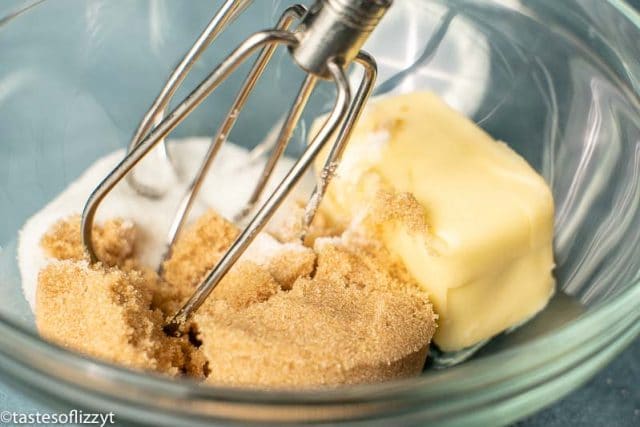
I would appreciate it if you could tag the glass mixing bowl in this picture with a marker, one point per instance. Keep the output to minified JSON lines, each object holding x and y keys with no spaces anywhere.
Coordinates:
{"x":558,"y":80}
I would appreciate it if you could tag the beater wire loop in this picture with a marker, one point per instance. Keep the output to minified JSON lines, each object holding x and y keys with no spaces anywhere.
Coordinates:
{"x":343,"y":135}
{"x":227,"y":13}
{"x":327,"y":39}
{"x":171,"y":121}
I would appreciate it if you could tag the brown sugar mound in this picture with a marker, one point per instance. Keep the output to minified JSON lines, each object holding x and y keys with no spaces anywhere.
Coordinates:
{"x":108,"y":313}
{"x":288,"y":266}
{"x":342,"y":312}
{"x":197,"y":251}
{"x":246,"y":284}
{"x":347,"y":324}
{"x":113,"y":241}
{"x":203,"y":243}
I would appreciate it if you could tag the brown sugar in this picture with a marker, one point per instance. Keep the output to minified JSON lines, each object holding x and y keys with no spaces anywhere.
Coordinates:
{"x":196,"y":252}
{"x":342,"y":312}
{"x":402,"y":207}
{"x":246,"y":284}
{"x":288,"y":266}
{"x":106,"y":312}
{"x":347,"y":324}
{"x":113,"y":241}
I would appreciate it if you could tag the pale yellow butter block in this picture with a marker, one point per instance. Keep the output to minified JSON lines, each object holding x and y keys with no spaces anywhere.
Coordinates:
{"x":485,"y":256}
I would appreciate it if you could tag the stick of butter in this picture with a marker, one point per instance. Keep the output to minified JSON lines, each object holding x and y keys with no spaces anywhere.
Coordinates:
{"x":484,"y":253}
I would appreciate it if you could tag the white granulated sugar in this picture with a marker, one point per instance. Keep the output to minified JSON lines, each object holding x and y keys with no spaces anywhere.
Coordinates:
{"x":265,"y":247}
{"x":226,"y":189}
{"x":360,"y":157}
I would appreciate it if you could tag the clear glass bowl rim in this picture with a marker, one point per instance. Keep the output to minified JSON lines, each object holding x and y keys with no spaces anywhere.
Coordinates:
{"x":437,"y":386}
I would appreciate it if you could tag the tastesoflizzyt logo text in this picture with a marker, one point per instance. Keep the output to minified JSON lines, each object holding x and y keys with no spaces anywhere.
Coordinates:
{"x":74,"y":416}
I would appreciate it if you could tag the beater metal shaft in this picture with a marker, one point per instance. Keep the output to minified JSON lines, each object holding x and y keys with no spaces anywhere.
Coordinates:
{"x":227,"y":13}
{"x":292,"y":13}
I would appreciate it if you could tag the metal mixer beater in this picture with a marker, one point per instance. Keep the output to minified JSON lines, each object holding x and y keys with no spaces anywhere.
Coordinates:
{"x":326,"y":40}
